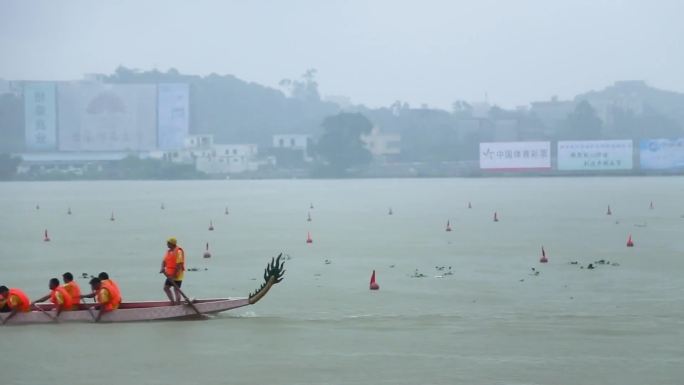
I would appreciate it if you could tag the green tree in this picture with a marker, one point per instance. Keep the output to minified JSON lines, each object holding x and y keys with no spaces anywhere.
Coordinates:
{"x":582,"y":124}
{"x":8,"y":166}
{"x":340,"y":147}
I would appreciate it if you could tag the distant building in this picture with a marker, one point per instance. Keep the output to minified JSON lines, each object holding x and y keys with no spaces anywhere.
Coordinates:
{"x":382,"y":145}
{"x":66,"y":163}
{"x":292,"y":141}
{"x":229,"y":159}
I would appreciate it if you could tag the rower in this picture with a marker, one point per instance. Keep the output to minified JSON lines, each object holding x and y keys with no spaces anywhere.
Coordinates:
{"x":59,"y":296}
{"x":173,"y":266}
{"x":72,"y":288}
{"x":106,"y":297}
{"x":104,"y":277}
{"x":15,"y":301}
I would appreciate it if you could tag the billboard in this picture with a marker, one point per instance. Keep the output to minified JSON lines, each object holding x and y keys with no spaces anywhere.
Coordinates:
{"x":172,"y":115}
{"x":661,"y":154}
{"x":107,"y":117}
{"x":515,"y":155}
{"x":595,"y":155}
{"x":40,"y":115}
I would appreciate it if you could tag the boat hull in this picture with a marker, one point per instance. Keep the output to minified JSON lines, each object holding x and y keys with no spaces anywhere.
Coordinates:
{"x":130,"y":312}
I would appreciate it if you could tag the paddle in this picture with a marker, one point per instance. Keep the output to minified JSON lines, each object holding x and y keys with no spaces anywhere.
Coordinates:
{"x":173,"y":283}
{"x":45,"y":312}
{"x":89,"y":310}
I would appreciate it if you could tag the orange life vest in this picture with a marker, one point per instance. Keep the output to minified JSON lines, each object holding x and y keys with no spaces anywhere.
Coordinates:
{"x":68,"y":301}
{"x":75,"y":293}
{"x":24,"y":302}
{"x":115,"y":287}
{"x":170,"y":262}
{"x":113,"y":300}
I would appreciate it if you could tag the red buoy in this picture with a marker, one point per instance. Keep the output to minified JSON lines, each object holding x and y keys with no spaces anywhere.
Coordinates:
{"x":448,"y":226}
{"x":543,"y":258}
{"x":211,"y":226}
{"x":46,"y":238}
{"x":496,"y":217}
{"x":629,"y":241}
{"x":308,"y":238}
{"x":609,"y":212}
{"x":374,"y":285}
{"x":207,"y":254}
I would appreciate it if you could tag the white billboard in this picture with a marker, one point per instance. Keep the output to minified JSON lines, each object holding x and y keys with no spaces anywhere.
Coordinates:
{"x":107,"y":117}
{"x":661,"y":154}
{"x":595,"y":155}
{"x":173,"y":115}
{"x":515,"y":156}
{"x":40,"y":124}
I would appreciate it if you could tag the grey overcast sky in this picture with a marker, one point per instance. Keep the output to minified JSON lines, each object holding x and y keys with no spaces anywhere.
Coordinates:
{"x":374,"y":51}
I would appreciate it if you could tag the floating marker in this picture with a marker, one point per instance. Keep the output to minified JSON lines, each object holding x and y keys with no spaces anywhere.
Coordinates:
{"x":543,"y":258}
{"x":448,"y":226}
{"x":46,"y":238}
{"x":609,"y":212}
{"x":111,"y":218}
{"x":211,"y":226}
{"x":651,"y":205}
{"x":69,"y":211}
{"x":496,"y":217}
{"x":37,"y":207}
{"x":226,"y":211}
{"x":629,"y":241}
{"x":311,"y":206}
{"x":390,"y":211}
{"x":374,"y":285}
{"x":308,"y":238}
{"x":162,"y":206}
{"x":207,"y":254}
{"x":470,"y":206}
{"x":308,"y":217}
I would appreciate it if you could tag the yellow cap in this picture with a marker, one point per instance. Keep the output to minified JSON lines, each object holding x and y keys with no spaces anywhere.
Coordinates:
{"x":172,"y":241}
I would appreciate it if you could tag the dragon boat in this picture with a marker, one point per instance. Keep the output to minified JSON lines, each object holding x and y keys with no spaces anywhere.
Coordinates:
{"x":153,"y":310}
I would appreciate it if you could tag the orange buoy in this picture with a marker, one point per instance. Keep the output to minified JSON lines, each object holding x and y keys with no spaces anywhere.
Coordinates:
{"x":543,"y":258}
{"x":630,"y":243}
{"x":609,"y":212}
{"x":111,"y":218}
{"x":207,"y":254}
{"x":211,"y":226}
{"x":46,"y":238}
{"x":308,"y":217}
{"x":374,"y":285}
{"x":308,"y":238}
{"x":496,"y":217}
{"x":448,"y":226}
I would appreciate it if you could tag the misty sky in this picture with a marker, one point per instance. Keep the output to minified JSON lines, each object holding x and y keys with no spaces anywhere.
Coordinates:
{"x":375,"y":52}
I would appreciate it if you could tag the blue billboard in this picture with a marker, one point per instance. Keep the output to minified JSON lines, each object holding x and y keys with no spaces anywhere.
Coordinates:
{"x":661,"y":154}
{"x":173,"y":120}
{"x":40,"y":114}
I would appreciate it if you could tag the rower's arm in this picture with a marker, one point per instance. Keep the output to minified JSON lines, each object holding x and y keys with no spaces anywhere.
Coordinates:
{"x":11,"y":314}
{"x":91,"y":295}
{"x":41,"y":299}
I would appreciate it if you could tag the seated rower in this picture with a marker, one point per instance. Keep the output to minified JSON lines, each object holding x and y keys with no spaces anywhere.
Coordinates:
{"x":72,"y":288}
{"x":104,"y":277}
{"x":106,"y":296}
{"x":59,"y":296}
{"x":15,"y":301}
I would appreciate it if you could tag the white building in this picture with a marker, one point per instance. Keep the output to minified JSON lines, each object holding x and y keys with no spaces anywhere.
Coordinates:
{"x":382,"y":144}
{"x":292,"y":141}
{"x":229,"y":159}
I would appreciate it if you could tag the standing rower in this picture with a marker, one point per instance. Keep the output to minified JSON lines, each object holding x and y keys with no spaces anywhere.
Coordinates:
{"x":173,"y":267}
{"x":15,"y":301}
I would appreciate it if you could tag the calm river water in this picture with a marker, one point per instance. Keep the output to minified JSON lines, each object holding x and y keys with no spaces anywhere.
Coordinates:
{"x":493,"y":321}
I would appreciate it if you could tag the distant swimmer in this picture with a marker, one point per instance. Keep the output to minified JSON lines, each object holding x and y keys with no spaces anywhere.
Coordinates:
{"x":13,"y":301}
{"x":173,"y":266}
{"x":59,"y":297}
